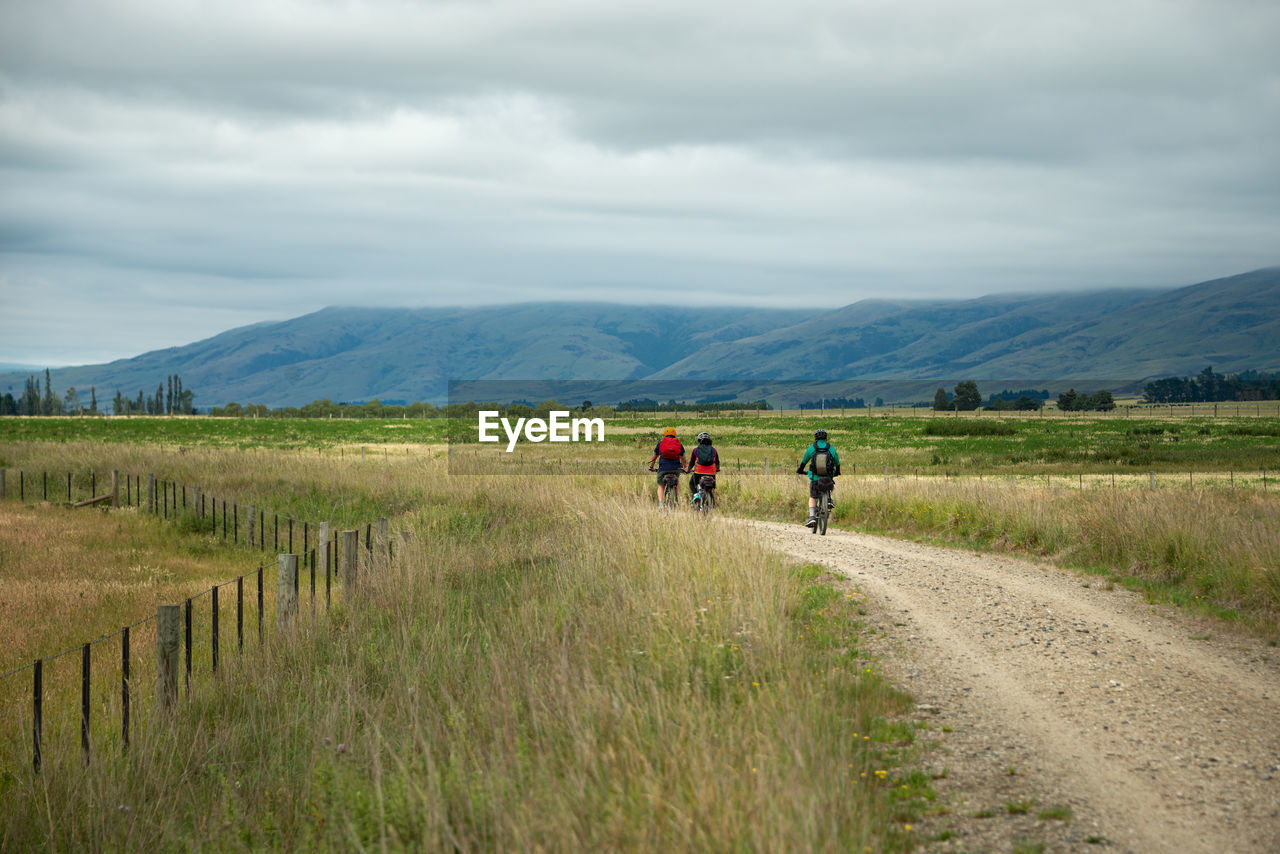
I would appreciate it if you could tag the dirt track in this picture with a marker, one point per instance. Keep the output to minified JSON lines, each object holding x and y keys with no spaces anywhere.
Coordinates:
{"x":1159,"y":732}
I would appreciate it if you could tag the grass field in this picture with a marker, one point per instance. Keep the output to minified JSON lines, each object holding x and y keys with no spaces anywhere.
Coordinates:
{"x":88,"y":572}
{"x":946,"y":445}
{"x":298,"y":433}
{"x":524,"y":678}
{"x":555,"y":664}
{"x":918,"y":442}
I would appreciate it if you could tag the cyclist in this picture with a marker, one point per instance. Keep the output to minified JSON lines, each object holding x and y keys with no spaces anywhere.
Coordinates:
{"x":823,"y":461}
{"x":669,"y":455}
{"x":705,"y":459}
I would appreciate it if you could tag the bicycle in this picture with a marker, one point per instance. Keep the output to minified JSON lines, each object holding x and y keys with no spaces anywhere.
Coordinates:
{"x":825,"y":486}
{"x":705,"y":498}
{"x":671,"y":488}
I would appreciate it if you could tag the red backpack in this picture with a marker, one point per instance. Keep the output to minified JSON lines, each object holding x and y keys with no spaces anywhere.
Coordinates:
{"x":670,"y":448}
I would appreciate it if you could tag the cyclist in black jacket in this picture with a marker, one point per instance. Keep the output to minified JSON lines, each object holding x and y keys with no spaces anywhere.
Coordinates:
{"x":705,"y":459}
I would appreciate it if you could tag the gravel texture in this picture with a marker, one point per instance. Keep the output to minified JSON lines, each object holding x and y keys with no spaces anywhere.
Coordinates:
{"x":1158,"y":730}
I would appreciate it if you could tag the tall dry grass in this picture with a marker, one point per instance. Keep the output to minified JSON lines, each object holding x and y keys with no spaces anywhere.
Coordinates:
{"x":1208,"y":543}
{"x":68,"y":576}
{"x":553,"y":665}
{"x":305,"y":485}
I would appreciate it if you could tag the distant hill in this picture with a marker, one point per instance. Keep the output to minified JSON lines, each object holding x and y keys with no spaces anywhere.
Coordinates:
{"x":1232,"y":324}
{"x":357,"y":354}
{"x":349,"y":354}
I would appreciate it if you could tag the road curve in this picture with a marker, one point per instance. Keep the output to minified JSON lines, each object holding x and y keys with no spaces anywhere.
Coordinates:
{"x":1159,"y":731}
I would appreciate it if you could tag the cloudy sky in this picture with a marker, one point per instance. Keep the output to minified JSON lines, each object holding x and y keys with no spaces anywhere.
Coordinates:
{"x":173,"y":168}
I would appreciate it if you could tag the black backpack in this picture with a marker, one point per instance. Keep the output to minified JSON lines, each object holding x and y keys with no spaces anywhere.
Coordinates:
{"x":705,"y":454}
{"x":822,"y":463}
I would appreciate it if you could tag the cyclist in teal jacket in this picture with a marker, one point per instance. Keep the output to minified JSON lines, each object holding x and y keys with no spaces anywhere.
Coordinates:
{"x":822,"y":461}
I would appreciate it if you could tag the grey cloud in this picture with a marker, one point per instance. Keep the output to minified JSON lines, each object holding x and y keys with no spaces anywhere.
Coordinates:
{"x":240,"y":160}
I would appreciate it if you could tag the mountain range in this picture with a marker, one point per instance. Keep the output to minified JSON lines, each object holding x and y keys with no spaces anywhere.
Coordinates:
{"x":356,"y":354}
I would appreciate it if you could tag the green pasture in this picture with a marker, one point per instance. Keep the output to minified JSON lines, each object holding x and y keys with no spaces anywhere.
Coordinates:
{"x":226,"y":432}
{"x":934,"y":445}
{"x":867,"y":443}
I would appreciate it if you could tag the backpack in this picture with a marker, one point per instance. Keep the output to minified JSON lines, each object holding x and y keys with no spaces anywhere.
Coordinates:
{"x":705,"y":454}
{"x":822,"y":463}
{"x":670,"y":448}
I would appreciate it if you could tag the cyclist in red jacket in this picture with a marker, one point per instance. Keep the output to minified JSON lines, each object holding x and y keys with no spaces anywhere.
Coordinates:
{"x":669,"y":455}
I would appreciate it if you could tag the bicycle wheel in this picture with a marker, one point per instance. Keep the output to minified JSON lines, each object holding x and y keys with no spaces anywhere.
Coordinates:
{"x":824,"y":513}
{"x":672,"y":485}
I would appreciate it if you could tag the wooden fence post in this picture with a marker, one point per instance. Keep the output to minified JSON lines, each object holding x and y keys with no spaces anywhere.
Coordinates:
{"x":37,"y":714}
{"x":286,"y":589}
{"x":189,"y":646}
{"x":168,"y":627}
{"x":151,"y":493}
{"x":86,"y":700}
{"x":115,"y":488}
{"x":213,"y":626}
{"x":124,"y":687}
{"x":350,"y":554}
{"x":260,"y":629}
{"x":383,"y":540}
{"x":323,"y":543}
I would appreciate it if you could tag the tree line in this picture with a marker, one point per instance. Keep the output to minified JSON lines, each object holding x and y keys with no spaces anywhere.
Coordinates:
{"x":838,"y":403}
{"x":327,"y":409}
{"x":42,"y":400}
{"x":967,"y":398}
{"x":170,"y":398}
{"x":377,"y":409}
{"x":1211,"y":387}
{"x":646,"y":404}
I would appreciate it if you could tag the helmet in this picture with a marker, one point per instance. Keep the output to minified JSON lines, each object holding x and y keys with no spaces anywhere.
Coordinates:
{"x":704,"y":438}
{"x":819,"y":435}
{"x":670,"y":431}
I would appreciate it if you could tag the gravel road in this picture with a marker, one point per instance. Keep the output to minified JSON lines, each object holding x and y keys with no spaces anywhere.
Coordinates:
{"x":1159,"y":730}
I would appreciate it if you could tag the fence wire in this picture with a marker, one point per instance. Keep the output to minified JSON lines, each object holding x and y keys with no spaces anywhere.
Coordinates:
{"x":118,"y":706}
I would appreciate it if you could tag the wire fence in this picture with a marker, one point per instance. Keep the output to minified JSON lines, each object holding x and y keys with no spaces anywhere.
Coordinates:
{"x":1263,"y":480}
{"x":99,"y":693}
{"x":1223,"y":409}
